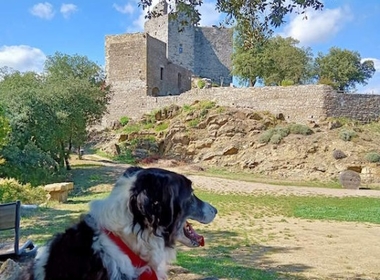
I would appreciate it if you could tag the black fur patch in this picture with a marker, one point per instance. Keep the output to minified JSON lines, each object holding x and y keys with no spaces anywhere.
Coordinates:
{"x":71,"y":256}
{"x":158,"y":199}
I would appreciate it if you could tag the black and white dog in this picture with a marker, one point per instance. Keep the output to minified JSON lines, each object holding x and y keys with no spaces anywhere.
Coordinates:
{"x":129,"y":235}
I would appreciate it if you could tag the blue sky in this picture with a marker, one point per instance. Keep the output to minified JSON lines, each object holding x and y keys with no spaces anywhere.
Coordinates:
{"x":31,"y":30}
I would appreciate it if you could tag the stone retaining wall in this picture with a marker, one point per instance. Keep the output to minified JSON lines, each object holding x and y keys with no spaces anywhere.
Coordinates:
{"x":297,"y":103}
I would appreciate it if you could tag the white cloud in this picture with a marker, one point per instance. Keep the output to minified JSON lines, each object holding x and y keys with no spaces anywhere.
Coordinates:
{"x":43,"y":10}
{"x":376,"y":61}
{"x":318,"y":26}
{"x":126,"y":9}
{"x":68,"y":9}
{"x":22,"y":58}
{"x":209,"y":16}
{"x":138,"y":23}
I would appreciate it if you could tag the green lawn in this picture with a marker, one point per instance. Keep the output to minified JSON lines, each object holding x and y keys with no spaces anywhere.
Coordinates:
{"x":233,"y":238}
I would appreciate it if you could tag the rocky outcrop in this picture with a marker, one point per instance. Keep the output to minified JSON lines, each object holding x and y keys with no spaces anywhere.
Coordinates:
{"x":231,"y":138}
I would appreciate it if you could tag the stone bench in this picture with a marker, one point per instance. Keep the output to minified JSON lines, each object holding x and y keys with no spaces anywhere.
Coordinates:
{"x":59,"y":191}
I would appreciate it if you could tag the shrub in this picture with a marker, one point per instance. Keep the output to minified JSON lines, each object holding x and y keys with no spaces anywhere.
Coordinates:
{"x":125,"y":156}
{"x":266,"y":136}
{"x":372,"y":157}
{"x":282,"y":131}
{"x":276,"y":138}
{"x":12,"y":190}
{"x":285,"y":83}
{"x":201,"y":84}
{"x":327,"y":81}
{"x":277,"y":134}
{"x":124,"y":120}
{"x":300,"y":129}
{"x":347,"y":135}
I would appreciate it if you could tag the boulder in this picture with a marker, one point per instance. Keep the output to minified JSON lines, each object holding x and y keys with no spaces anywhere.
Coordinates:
{"x":339,"y":154}
{"x":9,"y":270}
{"x":350,"y":179}
{"x":59,"y":191}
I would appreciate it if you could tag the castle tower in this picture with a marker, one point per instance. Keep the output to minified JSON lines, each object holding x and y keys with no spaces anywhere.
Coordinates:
{"x":160,"y":9}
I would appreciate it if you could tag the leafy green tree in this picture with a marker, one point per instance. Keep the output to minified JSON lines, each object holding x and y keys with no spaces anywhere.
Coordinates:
{"x":49,"y":114}
{"x":77,"y":87}
{"x":285,"y":61}
{"x":273,"y":61}
{"x":247,"y":61}
{"x":343,"y":68}
{"x":4,"y":127}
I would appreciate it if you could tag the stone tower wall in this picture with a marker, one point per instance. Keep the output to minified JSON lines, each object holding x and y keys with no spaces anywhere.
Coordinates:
{"x":181,"y":44}
{"x":213,"y":50}
{"x":126,"y":68}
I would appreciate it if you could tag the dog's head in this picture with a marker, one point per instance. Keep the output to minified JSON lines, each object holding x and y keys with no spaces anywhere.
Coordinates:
{"x":162,"y":201}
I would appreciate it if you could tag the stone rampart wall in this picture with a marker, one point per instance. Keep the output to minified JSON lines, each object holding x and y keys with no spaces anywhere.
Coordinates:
{"x":299,"y":104}
{"x":363,"y":107}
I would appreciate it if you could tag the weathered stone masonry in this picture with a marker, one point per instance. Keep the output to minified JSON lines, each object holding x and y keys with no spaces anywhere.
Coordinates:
{"x":297,"y":103}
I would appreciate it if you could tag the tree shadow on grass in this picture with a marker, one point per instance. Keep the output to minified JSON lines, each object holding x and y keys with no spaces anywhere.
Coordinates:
{"x":229,"y":257}
{"x":87,"y":177}
{"x":43,"y":223}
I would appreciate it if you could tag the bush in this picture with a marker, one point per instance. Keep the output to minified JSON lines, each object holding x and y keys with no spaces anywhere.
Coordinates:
{"x":12,"y":190}
{"x":124,"y":120}
{"x":327,"y":81}
{"x":201,"y":84}
{"x":372,"y":157}
{"x":266,"y":136}
{"x":347,"y":135}
{"x":286,"y":83}
{"x":300,"y":129}
{"x":277,"y":134}
{"x":276,"y":138}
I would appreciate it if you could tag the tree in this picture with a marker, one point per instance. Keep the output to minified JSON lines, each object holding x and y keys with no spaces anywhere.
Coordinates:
{"x":343,"y":68}
{"x":273,"y":61}
{"x":77,"y":87}
{"x":261,"y":16}
{"x":49,"y":115}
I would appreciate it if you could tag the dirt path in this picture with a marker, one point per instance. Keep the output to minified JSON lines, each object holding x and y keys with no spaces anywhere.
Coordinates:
{"x":307,"y":249}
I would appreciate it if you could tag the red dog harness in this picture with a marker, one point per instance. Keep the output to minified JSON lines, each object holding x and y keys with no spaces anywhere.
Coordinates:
{"x":135,"y":259}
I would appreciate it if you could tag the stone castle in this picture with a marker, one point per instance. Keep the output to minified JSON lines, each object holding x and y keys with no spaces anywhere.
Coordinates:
{"x":153,"y":69}
{"x":162,"y":60}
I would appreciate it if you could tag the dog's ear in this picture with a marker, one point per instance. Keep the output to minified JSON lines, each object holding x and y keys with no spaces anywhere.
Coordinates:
{"x":153,"y":201}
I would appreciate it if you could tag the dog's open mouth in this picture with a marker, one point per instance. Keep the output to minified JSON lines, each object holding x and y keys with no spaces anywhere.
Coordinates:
{"x":195,"y":239}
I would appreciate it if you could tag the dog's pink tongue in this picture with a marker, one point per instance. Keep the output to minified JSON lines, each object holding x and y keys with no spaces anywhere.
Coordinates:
{"x":194,"y":235}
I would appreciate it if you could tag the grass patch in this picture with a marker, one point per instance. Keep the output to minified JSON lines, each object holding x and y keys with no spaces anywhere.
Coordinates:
{"x":131,"y":128}
{"x":250,"y":177}
{"x":161,"y":127}
{"x":235,"y":247}
{"x":350,"y":209}
{"x":221,"y":265}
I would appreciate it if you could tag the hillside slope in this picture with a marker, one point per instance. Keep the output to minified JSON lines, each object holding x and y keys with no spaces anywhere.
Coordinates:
{"x":243,"y":140}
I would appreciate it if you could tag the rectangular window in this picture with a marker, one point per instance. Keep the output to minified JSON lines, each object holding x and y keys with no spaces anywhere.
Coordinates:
{"x":162,"y":73}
